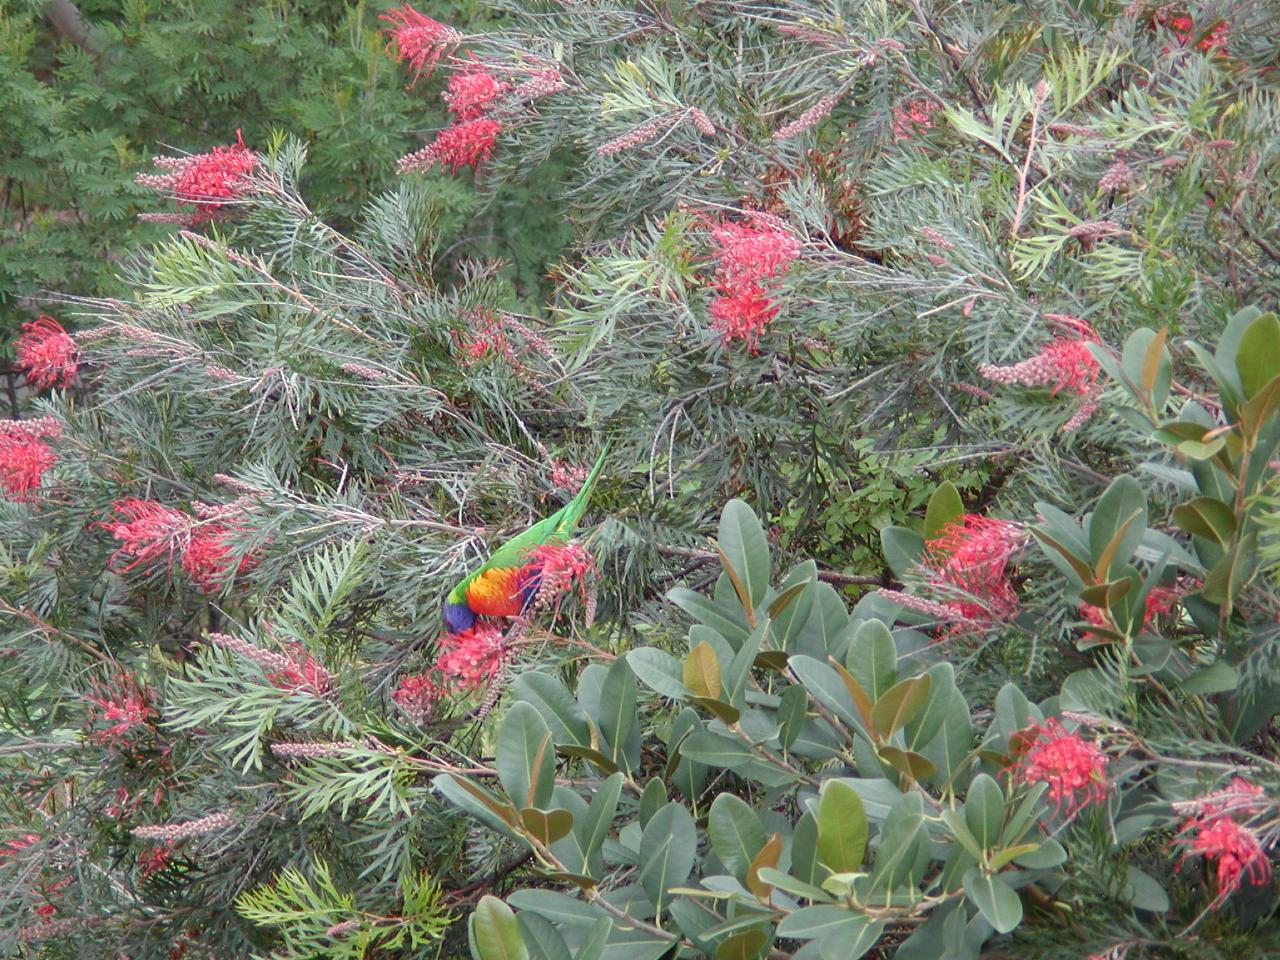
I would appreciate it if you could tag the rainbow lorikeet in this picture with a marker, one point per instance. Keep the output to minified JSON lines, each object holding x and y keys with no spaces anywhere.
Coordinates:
{"x":508,"y":581}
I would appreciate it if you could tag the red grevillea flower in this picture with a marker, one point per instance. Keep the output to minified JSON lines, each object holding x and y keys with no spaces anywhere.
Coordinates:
{"x":1236,"y":849}
{"x":467,"y":143}
{"x":205,"y":181}
{"x":742,"y":312}
{"x":209,"y":557}
{"x":1160,"y":600}
{"x":416,"y":695}
{"x":749,"y":252}
{"x":912,"y":118}
{"x":124,"y":705}
{"x":472,"y":90}
{"x":1074,"y":768}
{"x":148,"y":530}
{"x":304,"y":672}
{"x":154,"y":859}
{"x":1062,"y":364}
{"x":419,"y":40}
{"x":23,"y":462}
{"x":46,"y":353}
{"x":968,"y":563}
{"x":470,"y":658}
{"x":561,"y":567}
{"x":1184,"y":28}
{"x":1239,"y":796}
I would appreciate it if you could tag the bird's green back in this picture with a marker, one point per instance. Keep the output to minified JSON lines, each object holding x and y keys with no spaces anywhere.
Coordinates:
{"x":559,"y":526}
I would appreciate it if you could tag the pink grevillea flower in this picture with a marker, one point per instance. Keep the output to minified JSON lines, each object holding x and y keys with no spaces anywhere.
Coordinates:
{"x":1238,"y":797}
{"x":492,"y":334}
{"x":1074,"y":768}
{"x":561,"y":568}
{"x":969,"y":565}
{"x":1062,"y":364}
{"x":913,"y":118}
{"x":749,"y":252}
{"x":417,"y":695}
{"x":473,"y":90}
{"x":209,"y":557}
{"x":46,"y":353}
{"x":124,"y":705}
{"x":303,"y":672}
{"x":470,"y":658}
{"x":205,"y":181}
{"x":419,"y":40}
{"x":1236,"y":849}
{"x":148,"y":530}
{"x":467,"y":143}
{"x":568,"y":476}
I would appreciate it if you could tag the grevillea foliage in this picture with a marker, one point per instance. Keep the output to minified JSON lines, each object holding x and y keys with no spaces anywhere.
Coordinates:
{"x":925,"y":607}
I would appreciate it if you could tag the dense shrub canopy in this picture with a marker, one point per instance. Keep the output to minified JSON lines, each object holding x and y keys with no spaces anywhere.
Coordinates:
{"x":924,"y":607}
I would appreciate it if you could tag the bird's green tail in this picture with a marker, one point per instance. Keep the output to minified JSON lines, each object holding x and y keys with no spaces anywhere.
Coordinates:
{"x":576,"y":507}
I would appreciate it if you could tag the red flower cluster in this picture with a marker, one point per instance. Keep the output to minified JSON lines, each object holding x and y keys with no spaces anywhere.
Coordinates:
{"x":747,"y":255}
{"x":24,"y":454}
{"x":46,"y":353}
{"x":419,"y":40}
{"x":1214,"y":40}
{"x":209,"y":558}
{"x":489,"y":334}
{"x":124,"y":705}
{"x":149,"y":530}
{"x":472,"y":657}
{"x":205,"y":181}
{"x":912,"y":118}
{"x":417,"y":695}
{"x":467,"y":143}
{"x":561,"y":567}
{"x":473,"y":90}
{"x":968,"y":563}
{"x":1214,"y":833}
{"x":303,"y":672}
{"x":154,"y":859}
{"x":1074,"y":768}
{"x":1065,"y":363}
{"x":568,"y":476}
{"x":1160,"y":600}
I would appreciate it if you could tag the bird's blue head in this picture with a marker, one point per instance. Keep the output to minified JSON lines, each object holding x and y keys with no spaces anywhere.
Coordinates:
{"x":458,"y":617}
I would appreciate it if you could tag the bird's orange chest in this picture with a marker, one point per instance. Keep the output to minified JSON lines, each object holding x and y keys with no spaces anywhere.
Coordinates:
{"x":500,"y":592}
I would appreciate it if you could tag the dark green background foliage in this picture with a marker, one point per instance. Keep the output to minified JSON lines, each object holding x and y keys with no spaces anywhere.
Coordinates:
{"x":77,"y":122}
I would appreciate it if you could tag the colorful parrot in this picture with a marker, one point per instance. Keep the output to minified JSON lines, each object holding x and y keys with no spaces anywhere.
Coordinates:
{"x":508,"y":581}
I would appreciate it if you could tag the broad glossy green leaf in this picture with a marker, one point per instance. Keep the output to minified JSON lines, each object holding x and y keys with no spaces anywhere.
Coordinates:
{"x":1117,"y":525}
{"x":907,"y":762}
{"x":659,"y":671}
{"x":1144,"y":891}
{"x":736,"y":833}
{"x":850,"y":944}
{"x":495,"y":931}
{"x":546,"y":827}
{"x":900,"y":704}
{"x":594,"y":826}
{"x":1258,"y":355}
{"x":552,"y":699}
{"x":998,"y":902}
{"x":872,"y":658}
{"x":525,"y":756}
{"x":543,"y":940}
{"x":903,"y":549}
{"x":825,"y":686}
{"x":742,"y":539}
{"x":745,"y":945}
{"x":984,"y":810}
{"x":944,"y":506}
{"x":710,"y":614}
{"x":804,"y":851}
{"x":842,"y":827}
{"x":668,"y":849}
{"x":618,"y":709}
{"x":1206,"y":517}
{"x":812,"y":923}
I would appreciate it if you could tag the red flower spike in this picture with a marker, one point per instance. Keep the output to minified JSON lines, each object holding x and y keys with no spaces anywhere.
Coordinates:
{"x":472,"y":90}
{"x":743,"y":313}
{"x":46,"y":353}
{"x":468,"y":143}
{"x":149,"y":530}
{"x":1235,"y":848}
{"x":124,"y":705}
{"x":969,"y":564}
{"x":210,"y":556}
{"x":1074,"y":768}
{"x":561,"y":567}
{"x":470,"y":658}
{"x":419,"y":40}
{"x":417,"y":696}
{"x":205,"y":181}
{"x":749,"y":252}
{"x":305,"y":673}
{"x":1062,"y":364}
{"x":23,"y":462}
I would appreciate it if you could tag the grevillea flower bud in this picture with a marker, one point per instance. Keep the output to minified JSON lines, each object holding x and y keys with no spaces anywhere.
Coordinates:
{"x":637,"y":136}
{"x":419,"y":40}
{"x":541,"y":84}
{"x":1074,"y":768}
{"x":912,"y":118}
{"x":46,"y":353}
{"x":172,"y":832}
{"x":467,"y":143}
{"x":124,"y":705}
{"x":701,"y":122}
{"x":1062,"y":364}
{"x":417,"y":695}
{"x":811,"y":117}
